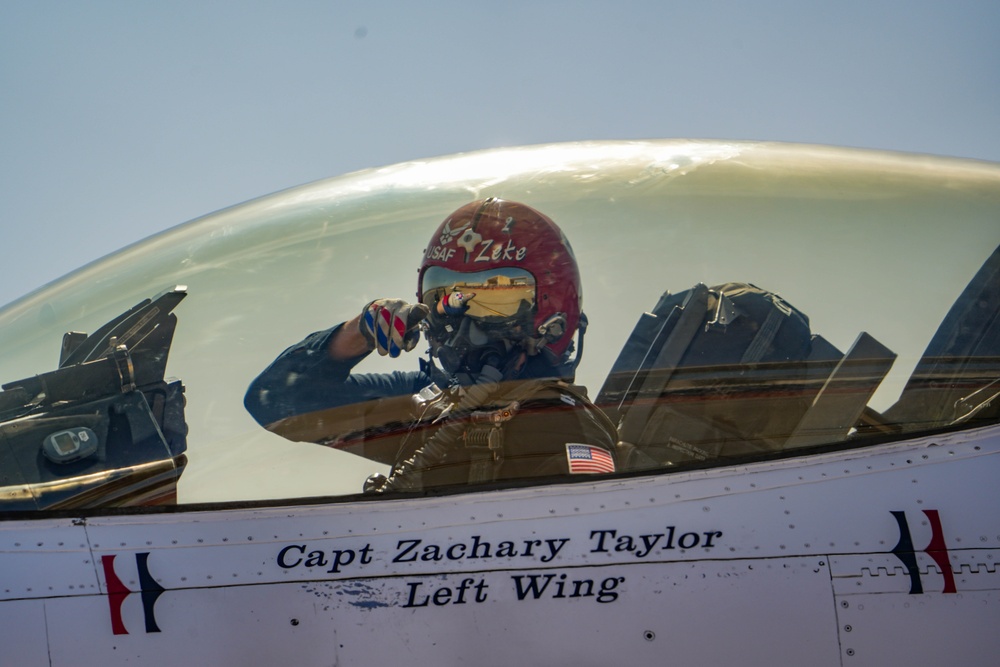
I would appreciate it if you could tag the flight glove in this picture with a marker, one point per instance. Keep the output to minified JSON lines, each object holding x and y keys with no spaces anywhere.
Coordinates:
{"x":392,"y":325}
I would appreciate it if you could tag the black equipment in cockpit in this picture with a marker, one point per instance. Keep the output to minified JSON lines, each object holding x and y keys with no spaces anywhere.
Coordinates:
{"x":105,"y":429}
{"x":733,"y":371}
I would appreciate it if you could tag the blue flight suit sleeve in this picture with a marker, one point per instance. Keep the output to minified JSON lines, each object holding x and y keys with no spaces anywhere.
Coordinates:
{"x":304,"y":378}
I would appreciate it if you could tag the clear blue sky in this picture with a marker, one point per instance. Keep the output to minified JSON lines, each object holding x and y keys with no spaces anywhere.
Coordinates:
{"x":121,"y":119}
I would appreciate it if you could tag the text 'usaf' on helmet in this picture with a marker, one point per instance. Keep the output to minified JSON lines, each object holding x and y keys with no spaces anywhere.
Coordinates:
{"x":505,"y":252}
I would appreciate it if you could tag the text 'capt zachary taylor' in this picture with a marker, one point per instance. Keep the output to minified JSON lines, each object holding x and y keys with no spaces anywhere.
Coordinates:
{"x":476,"y":548}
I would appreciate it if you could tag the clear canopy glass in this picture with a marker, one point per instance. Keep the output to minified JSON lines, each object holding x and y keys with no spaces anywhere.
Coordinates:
{"x":744,"y":300}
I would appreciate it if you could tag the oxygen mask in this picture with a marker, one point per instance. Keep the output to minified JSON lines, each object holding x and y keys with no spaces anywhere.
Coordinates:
{"x":467,"y":348}
{"x":479,"y":319}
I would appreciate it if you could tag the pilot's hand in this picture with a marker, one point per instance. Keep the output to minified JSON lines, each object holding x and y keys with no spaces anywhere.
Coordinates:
{"x":455,"y":303}
{"x":391,"y":325}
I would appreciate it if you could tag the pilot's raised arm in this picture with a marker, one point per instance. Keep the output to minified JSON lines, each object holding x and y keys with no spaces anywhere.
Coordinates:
{"x":499,"y":302}
{"x":315,"y":374}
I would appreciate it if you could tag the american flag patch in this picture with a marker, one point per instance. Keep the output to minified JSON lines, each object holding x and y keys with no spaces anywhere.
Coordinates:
{"x":584,"y":459}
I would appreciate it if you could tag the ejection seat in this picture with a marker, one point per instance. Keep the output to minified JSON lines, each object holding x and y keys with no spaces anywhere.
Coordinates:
{"x":733,"y":371}
{"x":957,"y":380}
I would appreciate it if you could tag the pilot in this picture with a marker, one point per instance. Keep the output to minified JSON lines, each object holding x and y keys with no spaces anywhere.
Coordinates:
{"x":499,"y":302}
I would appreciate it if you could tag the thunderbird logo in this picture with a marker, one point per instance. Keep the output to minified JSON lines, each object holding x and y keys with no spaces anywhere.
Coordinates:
{"x":936,"y":549}
{"x":149,"y":591}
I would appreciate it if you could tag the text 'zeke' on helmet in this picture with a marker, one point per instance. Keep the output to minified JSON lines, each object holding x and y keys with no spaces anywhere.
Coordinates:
{"x":515,"y":261}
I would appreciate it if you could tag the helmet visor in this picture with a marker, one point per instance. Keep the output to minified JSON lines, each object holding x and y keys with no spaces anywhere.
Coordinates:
{"x":491,"y":295}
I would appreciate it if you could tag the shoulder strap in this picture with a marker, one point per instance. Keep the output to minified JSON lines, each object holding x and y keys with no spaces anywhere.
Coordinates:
{"x":599,"y":415}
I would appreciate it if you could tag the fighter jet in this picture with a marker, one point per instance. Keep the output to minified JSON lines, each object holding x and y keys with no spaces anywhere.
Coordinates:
{"x":765,"y":432}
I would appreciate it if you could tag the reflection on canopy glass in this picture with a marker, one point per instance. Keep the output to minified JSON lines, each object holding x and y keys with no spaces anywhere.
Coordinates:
{"x":743,"y":303}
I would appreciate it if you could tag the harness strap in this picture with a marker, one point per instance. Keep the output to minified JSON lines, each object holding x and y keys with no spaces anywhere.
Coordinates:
{"x":481,"y":432}
{"x":765,"y":336}
{"x":484,"y":438}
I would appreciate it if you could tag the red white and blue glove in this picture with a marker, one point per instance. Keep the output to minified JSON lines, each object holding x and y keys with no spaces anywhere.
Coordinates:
{"x":392,"y":325}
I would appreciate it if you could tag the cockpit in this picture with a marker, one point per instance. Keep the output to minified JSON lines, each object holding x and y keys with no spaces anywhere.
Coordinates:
{"x":737,"y":304}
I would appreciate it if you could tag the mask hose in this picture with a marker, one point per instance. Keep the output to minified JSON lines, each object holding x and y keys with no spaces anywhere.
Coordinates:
{"x":405,"y":476}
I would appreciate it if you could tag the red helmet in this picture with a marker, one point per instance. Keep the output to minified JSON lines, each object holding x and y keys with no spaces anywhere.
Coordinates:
{"x":512,"y":263}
